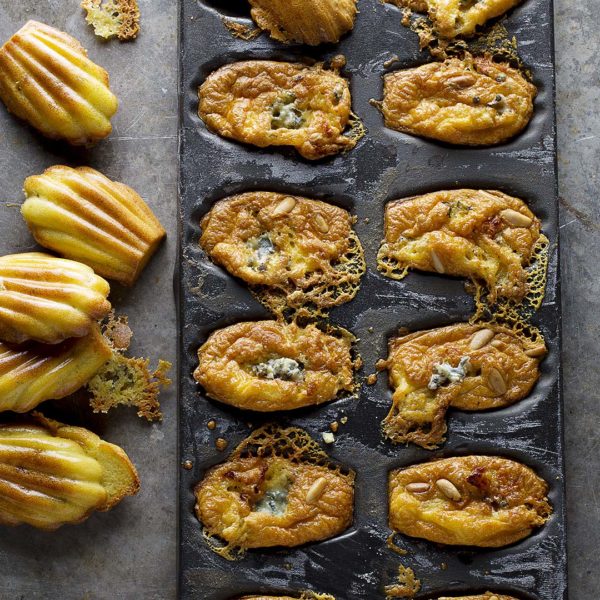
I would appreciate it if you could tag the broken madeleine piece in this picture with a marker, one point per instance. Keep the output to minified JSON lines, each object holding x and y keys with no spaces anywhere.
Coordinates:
{"x":292,"y":251}
{"x":53,"y":474}
{"x":484,"y":501}
{"x":309,"y":22}
{"x":472,"y":101}
{"x":469,"y":367}
{"x":47,"y":80}
{"x":83,"y":215}
{"x":278,"y":488}
{"x":270,"y":365}
{"x":270,"y":103}
{"x":484,"y":235}
{"x":48,"y":299}
{"x":113,"y":18}
{"x":33,"y":373}
{"x":486,"y":596}
{"x":452,"y":18}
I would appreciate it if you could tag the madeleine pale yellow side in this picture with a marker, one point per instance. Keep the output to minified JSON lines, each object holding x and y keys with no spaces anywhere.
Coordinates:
{"x":47,"y":80}
{"x":48,"y":299}
{"x":84,"y":216}
{"x":53,"y":474}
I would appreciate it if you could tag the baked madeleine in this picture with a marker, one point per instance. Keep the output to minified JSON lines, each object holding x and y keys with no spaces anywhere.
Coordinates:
{"x":53,"y":474}
{"x":47,"y":80}
{"x":82,"y":215}
{"x":278,"y":488}
{"x":452,"y":18}
{"x":484,"y":235}
{"x":472,"y":101}
{"x":310,"y":22}
{"x":469,"y":367}
{"x":292,"y":251}
{"x":484,"y":501}
{"x":270,"y":365}
{"x":486,"y":596}
{"x":33,"y":373}
{"x":48,"y":299}
{"x":270,"y":103}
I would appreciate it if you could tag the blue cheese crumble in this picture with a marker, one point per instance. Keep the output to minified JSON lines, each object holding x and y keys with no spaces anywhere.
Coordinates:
{"x":287,"y":369}
{"x":445,"y":373}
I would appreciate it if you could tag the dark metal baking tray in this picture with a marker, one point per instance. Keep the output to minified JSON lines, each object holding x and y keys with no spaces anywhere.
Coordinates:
{"x":385,"y":165}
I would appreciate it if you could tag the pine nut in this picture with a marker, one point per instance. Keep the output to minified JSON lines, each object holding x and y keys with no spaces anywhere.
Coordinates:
{"x":284,"y":207}
{"x":481,"y":339}
{"x":514,"y":218}
{"x":418,"y":487}
{"x":448,"y":489}
{"x":438,"y":265}
{"x":316,"y":490}
{"x":536,"y":351}
{"x":496,"y":381}
{"x":321,"y":223}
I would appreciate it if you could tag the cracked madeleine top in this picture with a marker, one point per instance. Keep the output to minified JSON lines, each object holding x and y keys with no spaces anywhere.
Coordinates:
{"x":452,"y":18}
{"x":292,"y":250}
{"x":485,"y":235}
{"x":309,"y":22}
{"x":270,"y":365}
{"x":469,"y":367}
{"x":270,"y":103}
{"x":484,"y":501}
{"x":472,"y":101}
{"x":265,"y":501}
{"x":47,"y":80}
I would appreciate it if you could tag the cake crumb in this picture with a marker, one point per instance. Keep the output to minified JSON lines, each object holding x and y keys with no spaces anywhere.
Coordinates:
{"x":328,"y":437}
{"x":221,"y":444}
{"x":211,"y":424}
{"x":334,"y":426}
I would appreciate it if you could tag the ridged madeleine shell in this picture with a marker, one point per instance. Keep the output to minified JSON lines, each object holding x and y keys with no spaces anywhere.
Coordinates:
{"x":47,"y":80}
{"x":305,"y":21}
{"x":84,"y":216}
{"x":53,"y":474}
{"x":37,"y":372}
{"x":48,"y":299}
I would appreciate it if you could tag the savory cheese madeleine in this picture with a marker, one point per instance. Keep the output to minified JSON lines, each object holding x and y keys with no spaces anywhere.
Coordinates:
{"x":486,"y":596}
{"x":83,"y":215}
{"x":291,"y":250}
{"x":33,"y":373}
{"x":53,"y":474}
{"x":275,"y":490}
{"x":472,"y":101}
{"x":270,"y":365}
{"x":452,"y":18}
{"x":47,"y":80}
{"x":270,"y":103}
{"x":484,"y":501}
{"x":310,"y":22}
{"x":469,"y":367}
{"x":484,"y":235}
{"x":48,"y":299}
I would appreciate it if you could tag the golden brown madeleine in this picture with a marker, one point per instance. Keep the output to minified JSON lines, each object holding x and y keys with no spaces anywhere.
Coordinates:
{"x":469,"y":367}
{"x":48,"y":299}
{"x":453,"y":18}
{"x":33,"y":373}
{"x":484,"y":501}
{"x":269,"y":103}
{"x":473,"y":102}
{"x":53,"y":474}
{"x":270,"y":365}
{"x":47,"y":80}
{"x":486,"y":596}
{"x":310,"y":22}
{"x":84,"y":216}
{"x":291,"y":250}
{"x":484,"y":235}
{"x":278,"y":488}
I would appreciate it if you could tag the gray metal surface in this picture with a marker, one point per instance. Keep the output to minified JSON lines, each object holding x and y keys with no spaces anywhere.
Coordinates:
{"x":130,"y":553}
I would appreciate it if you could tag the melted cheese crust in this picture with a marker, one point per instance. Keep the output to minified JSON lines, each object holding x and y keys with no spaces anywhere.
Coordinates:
{"x":316,"y":255}
{"x":237,"y":102}
{"x":466,"y":233}
{"x":472,"y":102}
{"x":418,"y":413}
{"x":229,"y":492}
{"x":227,"y":359}
{"x":502,"y":501}
{"x":453,"y":18}
{"x":486,"y":596}
{"x":309,"y":22}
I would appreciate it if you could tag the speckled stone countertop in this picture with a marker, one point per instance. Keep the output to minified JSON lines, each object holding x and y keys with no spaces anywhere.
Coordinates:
{"x":130,"y":553}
